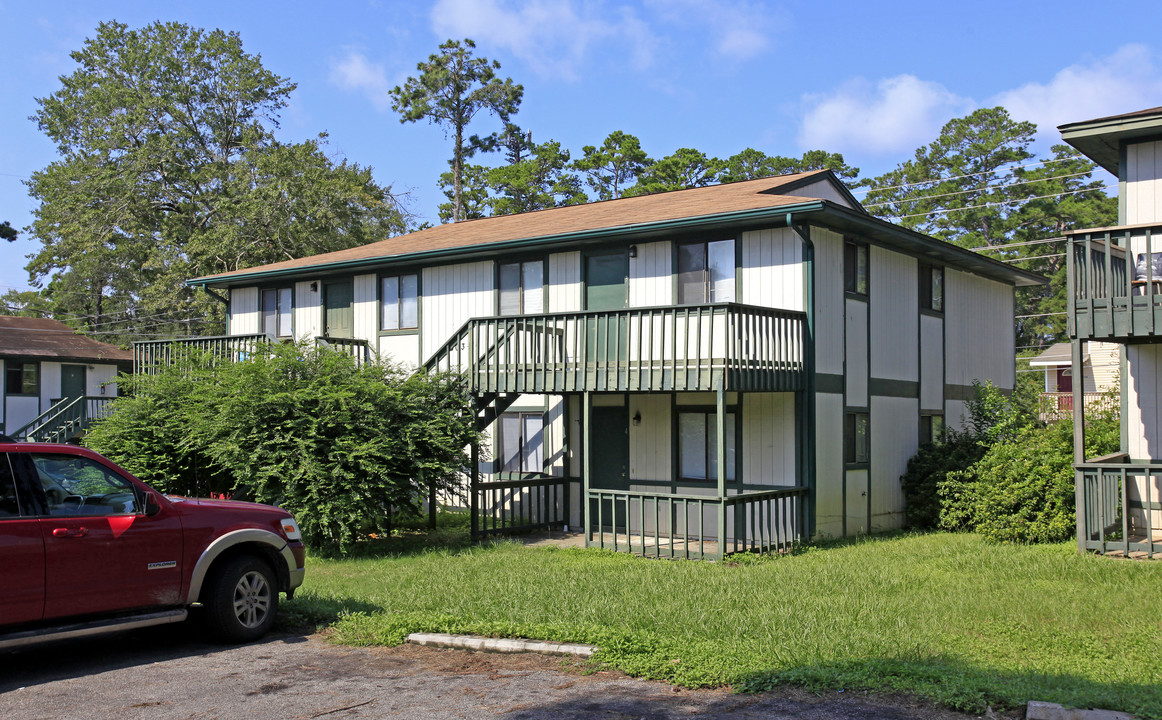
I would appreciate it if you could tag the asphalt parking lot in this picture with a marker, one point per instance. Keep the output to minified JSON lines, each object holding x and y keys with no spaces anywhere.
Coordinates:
{"x":172,"y":673}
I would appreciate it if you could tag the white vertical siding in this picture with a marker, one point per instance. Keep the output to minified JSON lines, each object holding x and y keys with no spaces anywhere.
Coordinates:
{"x":772,"y":269}
{"x":1144,"y":182}
{"x":895,"y":300}
{"x":366,"y":308}
{"x":955,"y":414}
{"x":829,"y":465}
{"x":555,"y":459}
{"x":50,"y":384}
{"x":403,"y":349}
{"x":768,"y":439}
{"x":894,"y":438}
{"x":308,"y":319}
{"x":649,"y":443}
{"x":96,"y":378}
{"x":824,"y":190}
{"x":1143,"y":389}
{"x":651,"y":280}
{"x":1104,"y":366}
{"x":931,"y":363}
{"x":564,"y":282}
{"x":857,"y":353}
{"x":452,"y":295}
{"x":978,"y":330}
{"x":829,"y":301}
{"x":244,"y":319}
{"x":19,"y":410}
{"x":856,"y":499}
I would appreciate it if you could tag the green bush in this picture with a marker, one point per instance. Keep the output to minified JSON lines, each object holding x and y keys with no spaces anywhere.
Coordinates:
{"x":926,"y":472}
{"x":335,"y":443}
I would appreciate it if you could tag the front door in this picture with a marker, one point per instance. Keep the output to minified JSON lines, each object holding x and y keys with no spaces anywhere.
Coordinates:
{"x":338,"y":298}
{"x":609,"y":459}
{"x":72,"y":381}
{"x":606,"y":288}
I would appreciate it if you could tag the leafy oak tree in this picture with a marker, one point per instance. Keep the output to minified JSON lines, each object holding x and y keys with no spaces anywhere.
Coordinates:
{"x":452,"y":88}
{"x":169,"y":169}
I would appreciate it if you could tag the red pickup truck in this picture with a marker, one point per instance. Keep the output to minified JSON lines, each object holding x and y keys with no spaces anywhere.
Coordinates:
{"x":86,"y":548}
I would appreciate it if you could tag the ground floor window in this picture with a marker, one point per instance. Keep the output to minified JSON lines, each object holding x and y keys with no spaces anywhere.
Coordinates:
{"x":22,"y":378}
{"x":520,"y":442}
{"x":698,"y":446}
{"x":931,"y":428}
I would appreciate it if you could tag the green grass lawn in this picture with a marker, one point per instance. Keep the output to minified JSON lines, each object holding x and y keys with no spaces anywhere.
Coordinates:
{"x":946,"y":617}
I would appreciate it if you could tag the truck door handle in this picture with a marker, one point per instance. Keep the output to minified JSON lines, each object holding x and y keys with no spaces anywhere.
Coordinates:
{"x":65,"y":532}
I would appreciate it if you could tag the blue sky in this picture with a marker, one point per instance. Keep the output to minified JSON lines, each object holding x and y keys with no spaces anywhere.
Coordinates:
{"x":873,"y":81}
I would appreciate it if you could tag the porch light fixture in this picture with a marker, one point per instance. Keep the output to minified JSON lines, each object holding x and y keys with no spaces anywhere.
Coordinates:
{"x":633,"y":251}
{"x":314,"y":286}
{"x":637,"y":418}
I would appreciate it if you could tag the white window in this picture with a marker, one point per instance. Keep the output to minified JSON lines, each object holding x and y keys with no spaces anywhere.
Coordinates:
{"x":277,"y":305}
{"x":399,"y":300}
{"x":520,"y":442}
{"x":698,"y":446}
{"x":522,"y":288}
{"x":706,"y":272}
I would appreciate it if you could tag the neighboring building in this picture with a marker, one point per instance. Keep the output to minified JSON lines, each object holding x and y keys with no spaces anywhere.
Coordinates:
{"x":55,"y":380}
{"x":1099,"y":376}
{"x":741,"y":365}
{"x":1115,"y":296}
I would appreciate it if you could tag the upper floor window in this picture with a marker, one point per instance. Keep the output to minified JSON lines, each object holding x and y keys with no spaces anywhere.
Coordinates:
{"x":276,"y":312}
{"x":522,"y":287}
{"x":399,"y":302}
{"x":931,"y":287}
{"x":855,"y":267}
{"x":22,"y":378}
{"x":706,"y":272}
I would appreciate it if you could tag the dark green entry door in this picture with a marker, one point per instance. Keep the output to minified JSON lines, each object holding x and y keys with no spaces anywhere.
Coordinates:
{"x":339,"y":300}
{"x":606,"y":337}
{"x":609,"y":458}
{"x":72,"y":381}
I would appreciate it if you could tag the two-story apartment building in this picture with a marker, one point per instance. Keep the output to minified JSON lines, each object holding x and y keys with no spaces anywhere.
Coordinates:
{"x":1115,"y":296}
{"x":691,"y":372}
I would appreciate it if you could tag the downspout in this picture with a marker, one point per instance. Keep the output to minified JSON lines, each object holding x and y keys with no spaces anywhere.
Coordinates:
{"x":804,"y":233}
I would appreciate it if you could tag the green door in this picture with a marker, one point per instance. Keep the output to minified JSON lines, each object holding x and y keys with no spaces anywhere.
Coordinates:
{"x":339,"y":301}
{"x":607,"y":335}
{"x":609,"y":458}
{"x":72,"y":381}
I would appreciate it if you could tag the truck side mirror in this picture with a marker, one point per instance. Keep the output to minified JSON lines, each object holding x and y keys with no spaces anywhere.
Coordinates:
{"x":152,"y":506}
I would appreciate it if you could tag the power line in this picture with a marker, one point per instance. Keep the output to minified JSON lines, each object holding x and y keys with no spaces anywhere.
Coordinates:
{"x":1023,"y":243}
{"x":961,"y":177}
{"x":987,"y":188}
{"x":994,"y":204}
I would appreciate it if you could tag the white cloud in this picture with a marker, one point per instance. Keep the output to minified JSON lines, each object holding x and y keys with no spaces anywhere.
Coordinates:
{"x":737,"y":30}
{"x":894,"y":115}
{"x":1125,"y":81}
{"x":553,"y":37}
{"x":356,"y":72}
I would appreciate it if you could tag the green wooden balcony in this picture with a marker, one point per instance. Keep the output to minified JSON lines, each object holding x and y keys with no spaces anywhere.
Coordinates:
{"x":1115,"y":283}
{"x":149,"y":356}
{"x":1120,"y":508}
{"x":657,"y":349}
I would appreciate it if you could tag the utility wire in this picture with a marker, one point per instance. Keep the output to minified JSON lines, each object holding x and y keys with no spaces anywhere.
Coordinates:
{"x":961,"y":177}
{"x":987,"y":188}
{"x":994,"y":204}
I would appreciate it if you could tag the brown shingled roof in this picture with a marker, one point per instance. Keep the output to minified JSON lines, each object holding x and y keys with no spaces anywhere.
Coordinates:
{"x":52,"y":340}
{"x":622,"y":212}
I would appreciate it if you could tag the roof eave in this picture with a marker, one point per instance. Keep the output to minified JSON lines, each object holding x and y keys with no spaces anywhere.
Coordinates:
{"x":1100,"y":140}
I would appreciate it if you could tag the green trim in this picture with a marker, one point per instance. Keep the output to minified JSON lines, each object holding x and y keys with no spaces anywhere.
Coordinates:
{"x":963,"y":393}
{"x":829,"y":383}
{"x":1123,"y":182}
{"x":882,"y":387}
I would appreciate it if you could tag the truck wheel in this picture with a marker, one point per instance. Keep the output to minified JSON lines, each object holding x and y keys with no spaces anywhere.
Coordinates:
{"x":242,"y":600}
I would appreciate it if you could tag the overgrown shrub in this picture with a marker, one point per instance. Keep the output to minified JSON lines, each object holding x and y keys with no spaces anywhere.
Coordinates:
{"x":335,"y":443}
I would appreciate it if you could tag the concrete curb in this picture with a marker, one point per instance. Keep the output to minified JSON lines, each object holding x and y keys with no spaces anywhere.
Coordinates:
{"x":503,"y":645}
{"x":1037,"y":710}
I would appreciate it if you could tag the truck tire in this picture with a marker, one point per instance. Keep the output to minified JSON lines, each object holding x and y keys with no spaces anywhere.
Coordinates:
{"x":242,"y":600}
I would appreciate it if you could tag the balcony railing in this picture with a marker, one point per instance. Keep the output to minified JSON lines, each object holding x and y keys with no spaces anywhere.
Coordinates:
{"x":695,"y":526}
{"x":669,"y":348}
{"x":1120,"y":508}
{"x":513,"y":506}
{"x":1059,"y":405}
{"x":150,"y":356}
{"x":1115,"y":282}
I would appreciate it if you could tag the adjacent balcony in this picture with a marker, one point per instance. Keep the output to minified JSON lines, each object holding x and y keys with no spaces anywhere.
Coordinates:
{"x":659,"y":349}
{"x":149,"y":356}
{"x":1115,"y":283}
{"x":1120,"y":508}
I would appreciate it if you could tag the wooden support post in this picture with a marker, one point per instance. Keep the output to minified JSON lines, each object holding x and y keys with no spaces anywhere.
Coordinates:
{"x":586,"y":463}
{"x":1079,"y":444}
{"x":473,"y":499}
{"x":720,"y":440}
